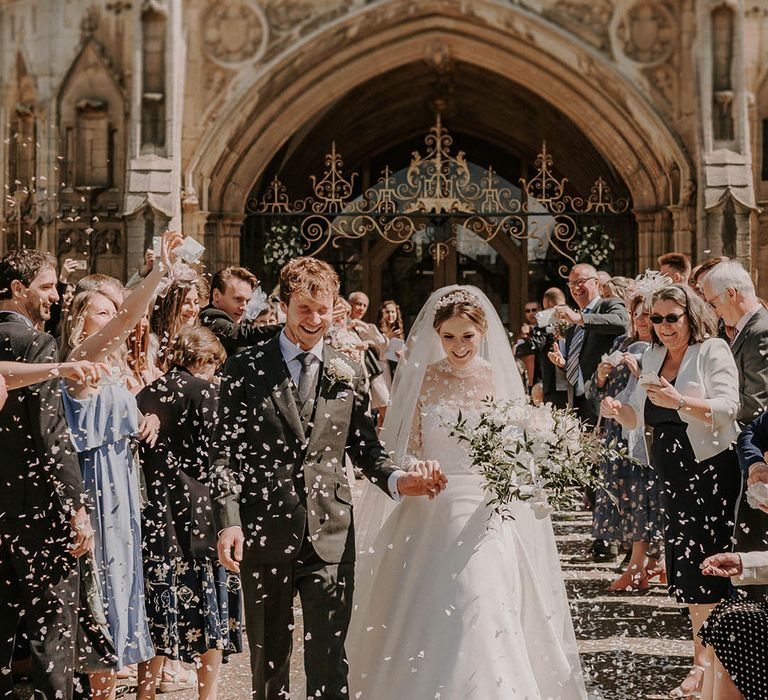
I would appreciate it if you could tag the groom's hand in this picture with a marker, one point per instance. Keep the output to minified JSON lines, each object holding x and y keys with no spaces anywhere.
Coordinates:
{"x":230,"y":548}
{"x":424,"y":479}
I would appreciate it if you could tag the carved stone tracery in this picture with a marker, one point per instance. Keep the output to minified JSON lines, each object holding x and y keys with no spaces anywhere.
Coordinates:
{"x":234,"y":32}
{"x":647,"y":33}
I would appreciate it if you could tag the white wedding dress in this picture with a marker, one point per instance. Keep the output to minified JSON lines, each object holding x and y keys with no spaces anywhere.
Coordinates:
{"x":450,"y":602}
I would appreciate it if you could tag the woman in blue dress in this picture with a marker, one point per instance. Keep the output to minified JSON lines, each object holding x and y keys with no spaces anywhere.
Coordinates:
{"x":103,"y":420}
{"x":626,"y":509}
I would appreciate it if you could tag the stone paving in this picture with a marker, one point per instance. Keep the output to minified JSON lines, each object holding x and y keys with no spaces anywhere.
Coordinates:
{"x":633,"y":646}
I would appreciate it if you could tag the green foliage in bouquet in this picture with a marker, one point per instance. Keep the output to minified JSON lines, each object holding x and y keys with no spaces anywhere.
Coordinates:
{"x":531,"y":453}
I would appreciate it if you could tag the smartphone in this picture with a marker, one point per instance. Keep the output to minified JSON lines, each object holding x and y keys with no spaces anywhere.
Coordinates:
{"x":81,"y":265}
{"x":650,"y":379}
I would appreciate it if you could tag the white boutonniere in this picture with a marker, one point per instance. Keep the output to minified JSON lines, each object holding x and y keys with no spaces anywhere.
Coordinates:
{"x":339,"y":371}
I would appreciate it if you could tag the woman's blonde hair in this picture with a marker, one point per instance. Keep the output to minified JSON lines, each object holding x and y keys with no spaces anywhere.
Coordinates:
{"x":72,"y":328}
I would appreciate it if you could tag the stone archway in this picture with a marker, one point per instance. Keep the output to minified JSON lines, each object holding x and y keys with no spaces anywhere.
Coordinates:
{"x":616,"y":118}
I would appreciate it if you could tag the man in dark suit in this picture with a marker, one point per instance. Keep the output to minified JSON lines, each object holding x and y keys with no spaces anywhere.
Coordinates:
{"x":291,"y":410}
{"x":231,"y":290}
{"x":43,"y":522}
{"x":729,"y":289}
{"x":551,"y":387}
{"x":592,"y":331}
{"x":590,"y":335}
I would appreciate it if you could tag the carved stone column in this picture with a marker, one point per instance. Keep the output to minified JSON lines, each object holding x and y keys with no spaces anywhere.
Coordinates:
{"x":653,"y":237}
{"x":222,"y":240}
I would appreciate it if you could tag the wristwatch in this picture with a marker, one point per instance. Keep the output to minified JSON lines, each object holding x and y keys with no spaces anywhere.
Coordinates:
{"x":681,"y":403}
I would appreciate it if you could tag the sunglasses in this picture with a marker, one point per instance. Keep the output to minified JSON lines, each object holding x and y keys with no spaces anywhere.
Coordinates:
{"x":531,"y":311}
{"x":658,"y":319}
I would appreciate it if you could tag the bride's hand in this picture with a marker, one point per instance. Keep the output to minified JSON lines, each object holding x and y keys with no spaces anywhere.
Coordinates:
{"x":424,"y":479}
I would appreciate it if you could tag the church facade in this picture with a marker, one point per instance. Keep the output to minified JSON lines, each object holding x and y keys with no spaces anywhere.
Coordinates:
{"x":121,"y":118}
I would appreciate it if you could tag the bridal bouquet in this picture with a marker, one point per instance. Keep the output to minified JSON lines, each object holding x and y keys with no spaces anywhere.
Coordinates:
{"x":531,"y":453}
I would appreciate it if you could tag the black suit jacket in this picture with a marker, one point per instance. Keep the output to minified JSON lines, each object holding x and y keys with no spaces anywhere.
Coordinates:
{"x":278,"y":482}
{"x":40,"y":469}
{"x":750,"y":351}
{"x":235,"y":337}
{"x":178,"y":518}
{"x":607,"y":319}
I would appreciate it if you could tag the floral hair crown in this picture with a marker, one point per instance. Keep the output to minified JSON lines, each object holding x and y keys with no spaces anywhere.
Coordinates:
{"x":648,"y":284}
{"x":457,"y":297}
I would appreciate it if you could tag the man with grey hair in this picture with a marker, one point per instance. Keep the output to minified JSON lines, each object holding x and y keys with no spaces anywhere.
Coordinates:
{"x":729,"y":290}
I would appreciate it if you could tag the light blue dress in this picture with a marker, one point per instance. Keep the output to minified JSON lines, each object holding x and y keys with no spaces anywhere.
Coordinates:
{"x":101,"y":427}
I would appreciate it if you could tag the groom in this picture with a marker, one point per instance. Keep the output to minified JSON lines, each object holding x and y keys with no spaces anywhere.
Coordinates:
{"x":290,"y":410}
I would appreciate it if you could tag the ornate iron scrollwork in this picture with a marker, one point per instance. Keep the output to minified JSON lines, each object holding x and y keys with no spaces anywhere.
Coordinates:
{"x":438,"y":183}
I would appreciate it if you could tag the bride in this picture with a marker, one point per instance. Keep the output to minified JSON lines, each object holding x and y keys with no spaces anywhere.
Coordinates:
{"x":451,"y":604}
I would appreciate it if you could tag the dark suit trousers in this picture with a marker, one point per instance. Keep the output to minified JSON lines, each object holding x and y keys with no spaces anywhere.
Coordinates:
{"x":39,"y":579}
{"x":326,"y":600}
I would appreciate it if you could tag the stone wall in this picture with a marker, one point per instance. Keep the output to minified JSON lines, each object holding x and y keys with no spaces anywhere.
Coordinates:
{"x":120,"y":117}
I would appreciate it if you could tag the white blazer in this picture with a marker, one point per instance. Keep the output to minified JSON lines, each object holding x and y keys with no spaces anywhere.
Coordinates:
{"x":754,"y":569}
{"x":708,"y":371}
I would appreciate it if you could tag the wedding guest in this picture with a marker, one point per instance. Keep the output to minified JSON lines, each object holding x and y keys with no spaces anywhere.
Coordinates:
{"x":142,"y":370}
{"x":698,"y":272}
{"x":340,"y":337}
{"x":603,"y":277}
{"x":97,"y":282}
{"x":177,"y":307}
{"x":676,"y":266}
{"x":524,"y":351}
{"x":615,"y":288}
{"x":626,"y":508}
{"x":193,"y":603}
{"x":691,"y":411}
{"x":378,"y":367}
{"x":65,"y":291}
{"x":590,"y":335}
{"x":737,"y":629}
{"x":390,"y":322}
{"x":102,"y":422}
{"x":729,"y":290}
{"x":44,"y":526}
{"x":268,"y":317}
{"x":231,"y":290}
{"x":552,"y":388}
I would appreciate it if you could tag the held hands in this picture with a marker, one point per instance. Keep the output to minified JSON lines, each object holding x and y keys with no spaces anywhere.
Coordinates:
{"x":726,"y":564}
{"x":425,"y":479}
{"x":664,"y":396}
{"x":149,"y":428}
{"x":230,"y":548}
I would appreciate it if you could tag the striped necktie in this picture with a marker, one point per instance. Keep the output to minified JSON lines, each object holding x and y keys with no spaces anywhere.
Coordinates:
{"x":572,"y":369}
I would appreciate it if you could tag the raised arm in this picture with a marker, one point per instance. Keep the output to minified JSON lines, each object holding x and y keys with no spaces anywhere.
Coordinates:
{"x":21,"y":374}
{"x":108,"y":340}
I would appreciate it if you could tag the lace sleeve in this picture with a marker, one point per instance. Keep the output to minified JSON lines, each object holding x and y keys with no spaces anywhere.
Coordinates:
{"x":415,"y":451}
